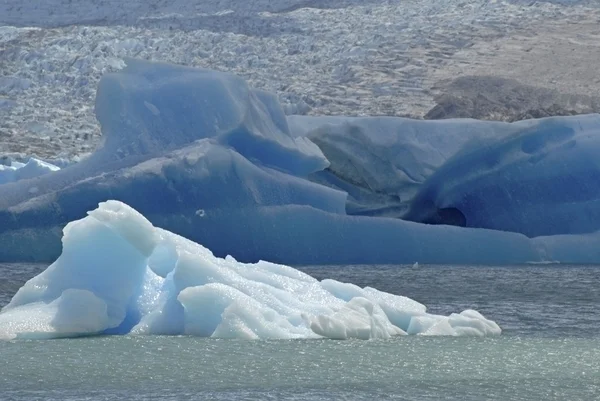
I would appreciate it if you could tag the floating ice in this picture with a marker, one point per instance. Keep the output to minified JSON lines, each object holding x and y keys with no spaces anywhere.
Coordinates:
{"x":542,"y":180}
{"x":21,"y":171}
{"x":383,"y":161}
{"x":152,"y":107}
{"x":501,"y":176}
{"x":118,"y":274}
{"x":203,"y":155}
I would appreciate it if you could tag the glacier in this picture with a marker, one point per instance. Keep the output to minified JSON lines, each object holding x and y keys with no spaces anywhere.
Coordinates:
{"x":202,"y":154}
{"x":150,"y":107}
{"x":118,"y":274}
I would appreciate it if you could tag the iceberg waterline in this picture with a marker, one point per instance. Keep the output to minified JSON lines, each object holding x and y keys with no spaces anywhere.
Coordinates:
{"x":119,"y":274}
{"x":203,"y":155}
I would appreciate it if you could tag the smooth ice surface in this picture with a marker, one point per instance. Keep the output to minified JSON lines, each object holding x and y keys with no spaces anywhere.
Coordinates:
{"x":203,"y":155}
{"x":527,"y":368}
{"x":21,"y":171}
{"x":180,"y":143}
{"x":119,"y":274}
{"x":508,"y":177}
{"x":383,"y":161}
{"x":541,"y":180}
{"x":140,"y":104}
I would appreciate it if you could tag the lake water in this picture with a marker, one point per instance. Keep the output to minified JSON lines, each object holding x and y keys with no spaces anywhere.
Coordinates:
{"x":549,"y":349}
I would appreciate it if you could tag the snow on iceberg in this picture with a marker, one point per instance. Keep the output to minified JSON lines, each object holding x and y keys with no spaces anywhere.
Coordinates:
{"x":119,"y":274}
{"x":22,"y":171}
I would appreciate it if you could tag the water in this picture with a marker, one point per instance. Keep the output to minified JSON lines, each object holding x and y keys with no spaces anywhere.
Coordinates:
{"x":549,"y":348}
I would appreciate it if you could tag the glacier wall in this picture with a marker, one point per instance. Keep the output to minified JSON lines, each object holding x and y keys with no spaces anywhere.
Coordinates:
{"x":203,"y":155}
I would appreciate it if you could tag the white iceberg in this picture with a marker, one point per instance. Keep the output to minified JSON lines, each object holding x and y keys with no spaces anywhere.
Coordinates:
{"x":23,"y":171}
{"x":118,"y":274}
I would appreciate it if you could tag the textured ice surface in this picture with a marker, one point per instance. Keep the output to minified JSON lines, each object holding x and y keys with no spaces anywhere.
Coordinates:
{"x":118,"y":274}
{"x":21,"y":171}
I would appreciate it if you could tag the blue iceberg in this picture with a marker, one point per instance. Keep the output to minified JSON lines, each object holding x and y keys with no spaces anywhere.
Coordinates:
{"x":16,"y":171}
{"x":542,"y":180}
{"x":203,"y":155}
{"x":381,"y":162}
{"x":148,"y":108}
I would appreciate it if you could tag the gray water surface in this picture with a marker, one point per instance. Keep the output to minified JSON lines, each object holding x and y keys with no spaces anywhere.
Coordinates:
{"x":549,"y":350}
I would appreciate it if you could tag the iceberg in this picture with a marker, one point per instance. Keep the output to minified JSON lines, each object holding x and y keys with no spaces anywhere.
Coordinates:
{"x":152,"y":107}
{"x":382,"y":162}
{"x":118,"y":274}
{"x":501,"y":176}
{"x":22,"y":171}
{"x":201,"y":154}
{"x":542,"y":180}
